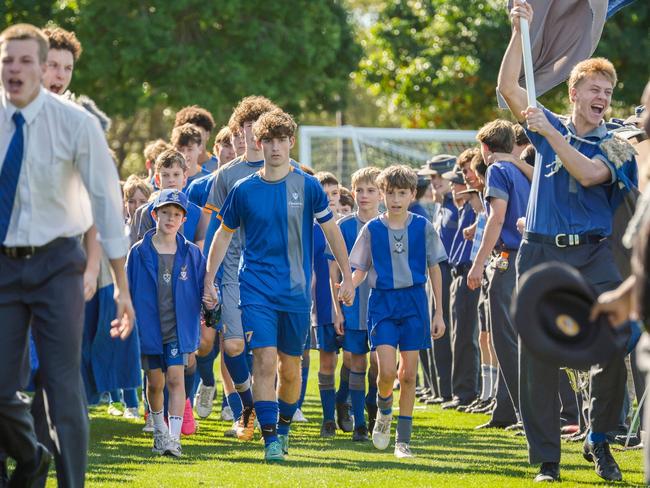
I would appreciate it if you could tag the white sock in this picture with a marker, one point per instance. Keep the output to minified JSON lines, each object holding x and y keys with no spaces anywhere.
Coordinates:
{"x":494,"y":373}
{"x":175,"y":424}
{"x":486,"y":380}
{"x":158,"y":421}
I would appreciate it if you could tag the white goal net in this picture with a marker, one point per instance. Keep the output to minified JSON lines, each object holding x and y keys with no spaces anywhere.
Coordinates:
{"x":342,"y":150}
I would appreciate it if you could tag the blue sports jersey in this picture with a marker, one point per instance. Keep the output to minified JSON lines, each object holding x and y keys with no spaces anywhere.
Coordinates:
{"x":397,"y":258}
{"x":276,"y":221}
{"x":446,"y":222}
{"x":199,"y":190}
{"x":461,"y":248}
{"x":356,"y":315}
{"x":506,"y":182}
{"x":558,"y":203}
{"x":191,"y":179}
{"x":418,"y":209}
{"x":211,"y":164}
{"x":322,"y":289}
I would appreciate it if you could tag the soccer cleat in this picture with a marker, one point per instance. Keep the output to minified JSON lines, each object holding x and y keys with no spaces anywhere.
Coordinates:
{"x":114,"y":410}
{"x":148,"y":423}
{"x":131,"y":413}
{"x":204,"y":399}
{"x":173,"y":447}
{"x":328,"y":429}
{"x":226,"y":414}
{"x":189,"y":426}
{"x":343,"y":418}
{"x":273,"y":452}
{"x":232,"y":432}
{"x":403,"y":450}
{"x":160,"y":440}
{"x":246,"y":425}
{"x":381,"y":432}
{"x":299,"y":417}
{"x":360,"y":434}
{"x":284,"y":442}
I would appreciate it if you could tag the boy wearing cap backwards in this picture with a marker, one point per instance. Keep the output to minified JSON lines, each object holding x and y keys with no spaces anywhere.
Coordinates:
{"x":396,"y":251}
{"x":276,"y":207}
{"x":583,"y":176}
{"x":506,"y":194}
{"x":352,"y":321}
{"x":166,"y":272}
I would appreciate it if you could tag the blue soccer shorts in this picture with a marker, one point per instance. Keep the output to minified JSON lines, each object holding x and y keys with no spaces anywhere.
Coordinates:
{"x":266,"y":327}
{"x":326,"y":338}
{"x":356,"y":341}
{"x":399,"y":318}
{"x":171,"y":356}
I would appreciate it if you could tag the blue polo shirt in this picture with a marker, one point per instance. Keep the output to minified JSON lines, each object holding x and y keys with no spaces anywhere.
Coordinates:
{"x":199,"y":190}
{"x":461,"y":248}
{"x":322,"y":290}
{"x":558,"y":204}
{"x":505,"y":181}
{"x":446,"y":222}
{"x":200,"y":174}
{"x":276,"y":222}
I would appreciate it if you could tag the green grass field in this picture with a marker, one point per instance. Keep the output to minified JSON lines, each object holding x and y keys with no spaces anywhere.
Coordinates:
{"x":449,"y":453}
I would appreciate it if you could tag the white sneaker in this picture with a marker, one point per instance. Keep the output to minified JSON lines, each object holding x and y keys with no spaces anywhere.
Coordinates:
{"x":232,"y":432}
{"x":226,"y":414}
{"x":299,"y":417}
{"x":148,"y":424}
{"x":403,"y":450}
{"x":160,"y":441}
{"x":205,"y":397}
{"x":173,"y":447}
{"x":131,"y":413}
{"x":381,"y":432}
{"x":114,"y":411}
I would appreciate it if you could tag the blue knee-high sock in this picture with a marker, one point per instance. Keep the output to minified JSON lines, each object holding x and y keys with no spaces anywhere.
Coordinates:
{"x":371,"y":397}
{"x":286,"y":411}
{"x":131,"y":397}
{"x":327,"y":395}
{"x":303,"y":387}
{"x":358,"y":396}
{"x":115,"y":396}
{"x":190,"y":383}
{"x":267,"y":416}
{"x":344,"y":386}
{"x":238,"y":369}
{"x":235,"y":404}
{"x":249,"y":361}
{"x":205,"y":366}
{"x":224,"y":400}
{"x":597,"y":437}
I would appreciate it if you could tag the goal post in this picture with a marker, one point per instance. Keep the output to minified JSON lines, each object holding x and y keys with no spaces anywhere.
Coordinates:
{"x":344,"y":149}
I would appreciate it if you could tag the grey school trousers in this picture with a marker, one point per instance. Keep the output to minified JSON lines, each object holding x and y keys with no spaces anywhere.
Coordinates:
{"x":45,"y":291}
{"x":464,"y":337}
{"x":539,"y":399}
{"x":442,"y":347}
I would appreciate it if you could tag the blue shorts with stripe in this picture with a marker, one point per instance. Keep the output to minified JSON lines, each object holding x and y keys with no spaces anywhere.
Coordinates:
{"x":267,"y":327}
{"x":327,"y":339}
{"x":355,"y":341}
{"x":399,"y":318}
{"x":170,"y":357}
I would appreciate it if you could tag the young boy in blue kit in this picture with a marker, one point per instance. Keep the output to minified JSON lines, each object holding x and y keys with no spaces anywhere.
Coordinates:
{"x":396,"y":251}
{"x":165,"y":273}
{"x":276,"y":208}
{"x":352,"y":322}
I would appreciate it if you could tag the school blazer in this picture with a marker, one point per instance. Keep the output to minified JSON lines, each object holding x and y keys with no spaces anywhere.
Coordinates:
{"x":187,"y":289}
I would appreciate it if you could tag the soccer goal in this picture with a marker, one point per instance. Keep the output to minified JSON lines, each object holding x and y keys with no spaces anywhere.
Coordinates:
{"x":342,"y":150}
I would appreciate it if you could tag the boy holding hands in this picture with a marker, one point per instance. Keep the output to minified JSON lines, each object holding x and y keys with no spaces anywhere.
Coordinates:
{"x":167,"y":266}
{"x":396,"y":251}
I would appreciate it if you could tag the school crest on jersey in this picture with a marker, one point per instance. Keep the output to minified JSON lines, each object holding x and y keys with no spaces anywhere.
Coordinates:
{"x":183,"y":275}
{"x":167,"y":277}
{"x":294,"y":199}
{"x":398,"y":245}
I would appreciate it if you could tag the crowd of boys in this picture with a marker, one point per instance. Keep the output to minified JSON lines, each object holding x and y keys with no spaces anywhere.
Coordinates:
{"x":244,"y":251}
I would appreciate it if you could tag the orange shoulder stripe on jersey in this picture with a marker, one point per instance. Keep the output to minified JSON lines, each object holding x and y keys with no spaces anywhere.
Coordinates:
{"x":225,"y":227}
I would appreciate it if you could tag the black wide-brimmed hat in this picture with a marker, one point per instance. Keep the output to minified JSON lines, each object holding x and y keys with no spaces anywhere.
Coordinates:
{"x":551,"y":314}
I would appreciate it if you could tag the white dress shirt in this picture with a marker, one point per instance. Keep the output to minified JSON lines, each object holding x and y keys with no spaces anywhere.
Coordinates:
{"x":67,"y":169}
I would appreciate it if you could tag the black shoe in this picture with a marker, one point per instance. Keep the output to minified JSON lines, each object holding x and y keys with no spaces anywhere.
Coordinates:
{"x":487,"y":408}
{"x":25,"y":477}
{"x":432,"y":400}
{"x":422,"y":392}
{"x":4,"y":476}
{"x":465,"y":408}
{"x":492,"y":425}
{"x":372,"y":416}
{"x":478,"y":404}
{"x":438,"y":400}
{"x":548,"y":473}
{"x":517,"y":426}
{"x":604,"y":463}
{"x":451,"y":404}
{"x":360,"y":434}
{"x":328,"y":429}
{"x":343,"y":418}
